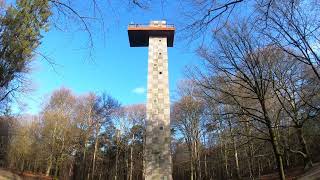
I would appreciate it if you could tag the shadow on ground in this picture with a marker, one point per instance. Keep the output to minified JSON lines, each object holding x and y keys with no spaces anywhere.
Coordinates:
{"x":297,"y":174}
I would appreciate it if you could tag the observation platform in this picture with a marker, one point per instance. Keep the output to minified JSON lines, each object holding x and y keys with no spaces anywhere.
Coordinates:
{"x":139,"y":33}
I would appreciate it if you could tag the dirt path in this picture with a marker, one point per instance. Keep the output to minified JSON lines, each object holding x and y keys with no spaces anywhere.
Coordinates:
{"x":312,"y":174}
{"x":7,"y":175}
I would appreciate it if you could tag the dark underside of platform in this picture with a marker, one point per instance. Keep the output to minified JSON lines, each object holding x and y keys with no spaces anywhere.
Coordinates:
{"x":140,"y":38}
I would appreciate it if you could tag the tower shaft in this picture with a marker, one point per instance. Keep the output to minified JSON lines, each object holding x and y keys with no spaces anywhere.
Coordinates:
{"x":157,"y":150}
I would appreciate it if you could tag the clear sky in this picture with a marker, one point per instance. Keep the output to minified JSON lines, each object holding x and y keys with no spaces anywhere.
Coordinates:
{"x":113,"y":66}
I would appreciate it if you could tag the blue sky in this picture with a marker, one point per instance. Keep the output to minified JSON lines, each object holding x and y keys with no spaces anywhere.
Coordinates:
{"x":113,"y":66}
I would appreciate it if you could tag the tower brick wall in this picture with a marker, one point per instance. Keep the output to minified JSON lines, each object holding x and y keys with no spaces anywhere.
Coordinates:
{"x":158,"y":156}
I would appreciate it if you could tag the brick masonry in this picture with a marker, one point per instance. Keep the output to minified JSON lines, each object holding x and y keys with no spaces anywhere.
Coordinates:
{"x":158,"y":156}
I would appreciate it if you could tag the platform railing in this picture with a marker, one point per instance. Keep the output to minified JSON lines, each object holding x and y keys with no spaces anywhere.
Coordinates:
{"x":151,"y":25}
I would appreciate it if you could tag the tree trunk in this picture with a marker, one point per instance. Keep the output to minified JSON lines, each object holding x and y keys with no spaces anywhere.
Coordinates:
{"x":205,"y":158}
{"x":277,"y":153}
{"x":234,"y":150}
{"x":259,"y":169}
{"x":205,"y":165}
{"x":306,"y":158}
{"x":88,"y":174}
{"x":250,"y":160}
{"x":83,"y":164}
{"x":56,"y":170}
{"x":95,"y":154}
{"x":144,"y":155}
{"x":117,"y":156}
{"x":249,"y":166}
{"x":22,"y":166}
{"x":116,"y":171}
{"x":236,"y":158}
{"x":249,"y":151}
{"x":274,"y":141}
{"x":29,"y":166}
{"x":197,"y":160}
{"x":49,"y":166}
{"x":131,"y":157}
{"x":226,"y":159}
{"x":35,"y":166}
{"x":53,"y":143}
{"x":191,"y":163}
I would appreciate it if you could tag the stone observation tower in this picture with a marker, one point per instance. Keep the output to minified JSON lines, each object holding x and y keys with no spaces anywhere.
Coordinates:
{"x":157,"y":36}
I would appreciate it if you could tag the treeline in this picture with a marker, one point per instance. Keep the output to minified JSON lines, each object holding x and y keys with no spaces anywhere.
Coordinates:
{"x":252,"y":107}
{"x":80,"y":137}
{"x":220,"y":127}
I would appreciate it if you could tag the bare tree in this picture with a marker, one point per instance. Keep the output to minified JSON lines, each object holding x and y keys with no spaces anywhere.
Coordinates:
{"x":187,"y":115}
{"x":57,"y":126}
{"x":298,"y":96}
{"x":136,"y":116}
{"x":104,"y":109}
{"x":239,"y":75}
{"x":205,"y":16}
{"x":294,"y":27}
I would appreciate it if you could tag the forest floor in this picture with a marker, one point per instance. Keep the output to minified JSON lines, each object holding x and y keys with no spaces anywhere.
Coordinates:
{"x":291,"y":174}
{"x":312,"y":174}
{"x":297,"y":174}
{"x":6,"y":174}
